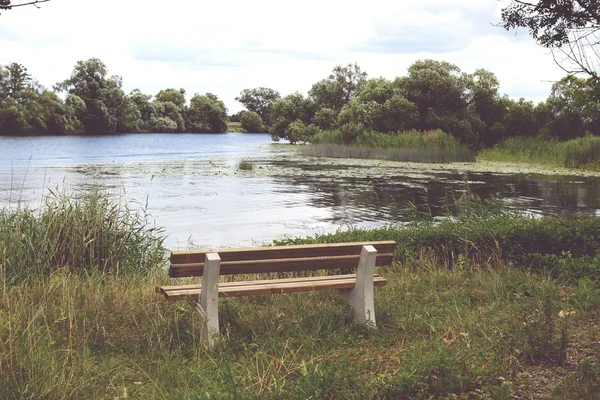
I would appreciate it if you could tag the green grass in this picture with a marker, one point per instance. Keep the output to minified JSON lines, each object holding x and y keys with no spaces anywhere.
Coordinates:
{"x":462,"y":315}
{"x":441,"y":332}
{"x":414,"y":146}
{"x":234,"y":127}
{"x":581,"y":153}
{"x":245,"y":166}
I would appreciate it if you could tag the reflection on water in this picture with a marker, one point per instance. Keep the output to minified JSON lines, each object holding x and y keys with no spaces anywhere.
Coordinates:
{"x":196,"y":192}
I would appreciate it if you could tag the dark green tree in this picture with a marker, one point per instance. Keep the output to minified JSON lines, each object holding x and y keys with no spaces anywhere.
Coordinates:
{"x":259,"y":100}
{"x":251,"y":122}
{"x":103,"y":96}
{"x":291,"y":108}
{"x":344,"y":84}
{"x":206,"y":114}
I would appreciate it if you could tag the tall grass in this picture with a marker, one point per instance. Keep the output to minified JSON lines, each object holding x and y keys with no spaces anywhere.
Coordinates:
{"x":79,"y":234}
{"x":423,"y":155}
{"x":434,"y":139}
{"x":442,"y":333}
{"x":581,"y":153}
{"x":414,"y":146}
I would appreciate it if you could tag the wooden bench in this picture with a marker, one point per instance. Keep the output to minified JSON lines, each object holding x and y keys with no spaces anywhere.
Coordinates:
{"x":211,"y":264}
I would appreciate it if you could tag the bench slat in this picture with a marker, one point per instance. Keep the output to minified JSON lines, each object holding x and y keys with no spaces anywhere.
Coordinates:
{"x":197,"y":286}
{"x":272,"y":286}
{"x":276,"y":265}
{"x":269,"y":253}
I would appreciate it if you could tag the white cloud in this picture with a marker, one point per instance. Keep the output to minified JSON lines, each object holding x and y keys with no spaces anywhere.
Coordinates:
{"x":224,"y":47}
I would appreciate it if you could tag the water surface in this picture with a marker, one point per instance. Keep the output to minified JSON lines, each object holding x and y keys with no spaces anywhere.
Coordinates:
{"x":196,"y":192}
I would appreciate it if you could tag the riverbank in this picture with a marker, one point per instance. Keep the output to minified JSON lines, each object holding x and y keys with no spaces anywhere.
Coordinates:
{"x":438,"y":147}
{"x":491,"y":305}
{"x":581,"y":153}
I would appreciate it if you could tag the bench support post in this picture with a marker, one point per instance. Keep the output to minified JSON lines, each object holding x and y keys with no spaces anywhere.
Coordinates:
{"x":361,"y":296}
{"x":209,"y":300}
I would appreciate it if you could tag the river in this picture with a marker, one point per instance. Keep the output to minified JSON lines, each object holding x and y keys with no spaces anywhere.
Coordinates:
{"x":195,"y":190}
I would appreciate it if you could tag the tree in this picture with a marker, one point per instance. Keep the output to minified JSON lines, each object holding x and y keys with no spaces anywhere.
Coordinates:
{"x":103,"y":96}
{"x":441,"y":93}
{"x":571,"y":27}
{"x":259,"y":100}
{"x":169,"y":111}
{"x":574,"y":108}
{"x":13,"y":79}
{"x":251,"y":122}
{"x":146,"y":108}
{"x":167,"y":118}
{"x":294,"y":107}
{"x":344,"y":84}
{"x":380,"y":107}
{"x":207,"y":114}
{"x":175,"y":96}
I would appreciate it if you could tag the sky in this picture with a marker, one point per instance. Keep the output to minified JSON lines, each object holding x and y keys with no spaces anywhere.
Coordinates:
{"x":223,"y":47}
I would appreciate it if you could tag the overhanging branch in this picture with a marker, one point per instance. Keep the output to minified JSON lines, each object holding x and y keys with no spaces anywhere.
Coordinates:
{"x":30,"y":3}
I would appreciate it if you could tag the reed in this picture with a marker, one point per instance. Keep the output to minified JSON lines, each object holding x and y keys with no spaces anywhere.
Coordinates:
{"x":79,"y":233}
{"x":581,"y":153}
{"x":423,"y":155}
{"x":412,"y":146}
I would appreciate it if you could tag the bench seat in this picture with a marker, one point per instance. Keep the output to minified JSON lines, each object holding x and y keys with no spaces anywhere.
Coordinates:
{"x":268,"y":286}
{"x":339,"y":259}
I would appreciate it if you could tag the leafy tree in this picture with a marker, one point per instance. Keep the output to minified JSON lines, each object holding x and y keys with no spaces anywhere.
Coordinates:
{"x":260,"y":101}
{"x":520,"y":119}
{"x":574,"y":108}
{"x":570,"y":27}
{"x":294,"y":107}
{"x":251,"y":122}
{"x":168,"y":111}
{"x":298,"y":131}
{"x":175,"y":96}
{"x":380,"y":107}
{"x":326,"y":118}
{"x":207,"y":114}
{"x":13,"y":79}
{"x":437,"y":89}
{"x":441,"y":93}
{"x":146,"y":108}
{"x":344,"y":84}
{"x":167,"y":118}
{"x":103,"y":96}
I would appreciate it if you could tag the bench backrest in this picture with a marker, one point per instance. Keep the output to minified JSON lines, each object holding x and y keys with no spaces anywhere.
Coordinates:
{"x":189,"y":263}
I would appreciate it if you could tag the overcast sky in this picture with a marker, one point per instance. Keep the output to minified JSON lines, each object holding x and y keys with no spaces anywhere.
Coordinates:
{"x":224,"y":47}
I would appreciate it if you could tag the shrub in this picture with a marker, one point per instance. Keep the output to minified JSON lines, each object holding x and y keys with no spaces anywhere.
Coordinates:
{"x":252,"y":122}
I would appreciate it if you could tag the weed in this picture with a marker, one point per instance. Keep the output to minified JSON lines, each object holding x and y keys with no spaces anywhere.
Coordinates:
{"x":245,"y":166}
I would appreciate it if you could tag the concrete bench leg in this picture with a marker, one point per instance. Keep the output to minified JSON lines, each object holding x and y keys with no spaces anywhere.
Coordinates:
{"x":209,"y":300}
{"x":361,"y":296}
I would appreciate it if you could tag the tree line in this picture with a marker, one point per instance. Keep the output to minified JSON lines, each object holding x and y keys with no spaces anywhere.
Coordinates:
{"x":433,"y":95}
{"x":95,"y":103}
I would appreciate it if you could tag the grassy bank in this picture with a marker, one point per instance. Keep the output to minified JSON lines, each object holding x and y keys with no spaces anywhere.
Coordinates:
{"x":581,"y":153}
{"x":430,"y":146}
{"x":464,"y":315}
{"x":234,"y":127}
